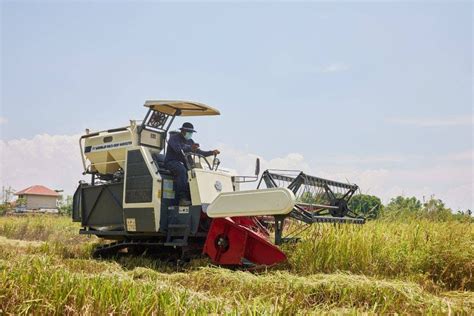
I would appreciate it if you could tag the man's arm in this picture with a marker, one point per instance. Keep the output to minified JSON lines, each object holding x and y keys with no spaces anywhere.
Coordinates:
{"x":205,"y":153}
{"x":195,"y":148}
{"x":177,"y":146}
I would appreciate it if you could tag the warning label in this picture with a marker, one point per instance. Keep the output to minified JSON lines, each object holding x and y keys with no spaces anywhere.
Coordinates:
{"x":131,"y":225}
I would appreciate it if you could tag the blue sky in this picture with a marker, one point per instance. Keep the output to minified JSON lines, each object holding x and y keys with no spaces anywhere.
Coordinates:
{"x":357,"y":87}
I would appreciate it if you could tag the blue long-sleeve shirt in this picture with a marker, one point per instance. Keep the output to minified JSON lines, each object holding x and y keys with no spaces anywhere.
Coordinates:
{"x":178,"y":143}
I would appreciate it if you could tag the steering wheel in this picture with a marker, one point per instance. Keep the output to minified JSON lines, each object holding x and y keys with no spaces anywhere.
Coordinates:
{"x":191,"y":159}
{"x":215,"y":163}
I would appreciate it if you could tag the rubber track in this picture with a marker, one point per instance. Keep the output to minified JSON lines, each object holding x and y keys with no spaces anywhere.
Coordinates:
{"x":112,"y":248}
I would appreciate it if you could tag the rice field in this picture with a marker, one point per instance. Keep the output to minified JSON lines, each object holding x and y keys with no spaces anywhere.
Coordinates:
{"x":409,"y":267}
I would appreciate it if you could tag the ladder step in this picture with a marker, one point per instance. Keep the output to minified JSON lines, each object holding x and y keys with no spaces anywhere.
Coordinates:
{"x":177,"y":235}
{"x":178,"y":226}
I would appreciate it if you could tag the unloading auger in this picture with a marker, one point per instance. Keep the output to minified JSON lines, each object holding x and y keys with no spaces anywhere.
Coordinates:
{"x":131,"y":197}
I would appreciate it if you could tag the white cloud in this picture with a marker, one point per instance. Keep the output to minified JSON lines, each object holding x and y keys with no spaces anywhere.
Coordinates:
{"x":434,"y":122}
{"x":467,"y":155}
{"x":3,"y":120}
{"x":50,"y":160}
{"x":243,"y":162}
{"x":370,"y":159}
{"x":334,"y":67}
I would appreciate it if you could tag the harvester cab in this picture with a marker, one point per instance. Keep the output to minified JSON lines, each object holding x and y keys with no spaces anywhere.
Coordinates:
{"x":131,"y":198}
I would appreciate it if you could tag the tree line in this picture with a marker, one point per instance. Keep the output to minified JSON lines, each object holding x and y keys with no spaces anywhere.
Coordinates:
{"x":371,"y":207}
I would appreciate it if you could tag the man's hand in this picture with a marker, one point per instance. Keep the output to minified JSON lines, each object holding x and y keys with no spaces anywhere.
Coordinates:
{"x":194,"y":147}
{"x":216,"y":152}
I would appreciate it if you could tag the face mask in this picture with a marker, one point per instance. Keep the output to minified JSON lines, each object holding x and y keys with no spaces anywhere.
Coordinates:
{"x":188,"y":135}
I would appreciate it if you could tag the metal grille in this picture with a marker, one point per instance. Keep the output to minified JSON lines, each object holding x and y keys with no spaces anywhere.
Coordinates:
{"x":139,"y":183}
{"x":157,"y":120}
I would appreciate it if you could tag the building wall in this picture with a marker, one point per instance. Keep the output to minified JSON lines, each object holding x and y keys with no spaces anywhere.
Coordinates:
{"x":34,"y":202}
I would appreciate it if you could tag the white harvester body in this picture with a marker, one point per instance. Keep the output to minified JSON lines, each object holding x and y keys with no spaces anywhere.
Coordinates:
{"x":276,"y":201}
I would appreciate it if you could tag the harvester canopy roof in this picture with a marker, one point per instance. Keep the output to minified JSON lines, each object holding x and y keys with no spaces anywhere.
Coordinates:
{"x":182,"y":108}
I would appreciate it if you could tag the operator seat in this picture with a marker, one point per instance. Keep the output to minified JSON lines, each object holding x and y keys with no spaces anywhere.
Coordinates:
{"x":159,"y":160}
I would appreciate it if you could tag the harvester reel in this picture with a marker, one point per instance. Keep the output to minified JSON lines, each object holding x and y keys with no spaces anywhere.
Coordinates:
{"x":341,"y":209}
{"x":318,"y":200}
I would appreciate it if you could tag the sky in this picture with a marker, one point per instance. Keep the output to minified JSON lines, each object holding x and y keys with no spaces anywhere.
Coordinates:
{"x":375,"y":93}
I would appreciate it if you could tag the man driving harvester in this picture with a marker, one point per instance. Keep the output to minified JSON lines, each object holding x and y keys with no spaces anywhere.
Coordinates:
{"x":175,"y":160}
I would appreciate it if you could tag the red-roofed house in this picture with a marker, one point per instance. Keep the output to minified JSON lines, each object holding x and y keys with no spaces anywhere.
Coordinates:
{"x":39,"y":197}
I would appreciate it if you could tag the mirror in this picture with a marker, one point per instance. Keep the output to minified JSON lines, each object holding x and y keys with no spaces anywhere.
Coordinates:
{"x":257,"y":167}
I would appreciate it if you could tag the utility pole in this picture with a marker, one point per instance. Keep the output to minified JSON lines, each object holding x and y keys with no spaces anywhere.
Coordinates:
{"x":6,"y":194}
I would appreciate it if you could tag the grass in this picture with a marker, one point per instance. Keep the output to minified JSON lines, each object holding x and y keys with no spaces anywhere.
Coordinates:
{"x":45,"y":284}
{"x":40,"y":227}
{"x":440,"y":253}
{"x":412,"y":267}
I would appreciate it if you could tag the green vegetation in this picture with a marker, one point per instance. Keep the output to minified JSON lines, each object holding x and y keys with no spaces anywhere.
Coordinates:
{"x":3,"y":209}
{"x":412,"y":265}
{"x":65,"y":205}
{"x":369,"y":206}
{"x":412,"y":209}
{"x":404,"y":204}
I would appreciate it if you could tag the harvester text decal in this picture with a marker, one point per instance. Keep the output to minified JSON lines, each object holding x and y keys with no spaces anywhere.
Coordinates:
{"x":109,"y":146}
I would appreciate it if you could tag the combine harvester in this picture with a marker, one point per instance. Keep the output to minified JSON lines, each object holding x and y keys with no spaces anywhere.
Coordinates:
{"x":131,"y":197}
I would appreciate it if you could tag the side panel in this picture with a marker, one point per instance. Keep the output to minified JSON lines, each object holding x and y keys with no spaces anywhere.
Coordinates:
{"x":275,"y":201}
{"x":106,"y":152}
{"x":76,"y":205}
{"x":206,"y":185}
{"x":185,"y":215}
{"x":138,"y":219}
{"x":99,"y":205}
{"x":142,"y":197}
{"x":151,"y":138}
